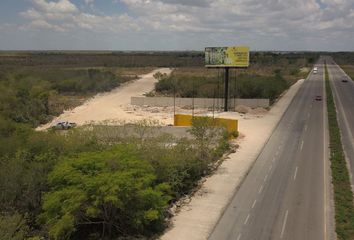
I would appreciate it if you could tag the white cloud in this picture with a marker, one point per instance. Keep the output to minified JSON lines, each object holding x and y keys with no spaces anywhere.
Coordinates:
{"x":65,"y":16}
{"x":62,"y":6}
{"x":217,"y":21}
{"x":105,"y":23}
{"x":31,"y":14}
{"x":42,"y":24}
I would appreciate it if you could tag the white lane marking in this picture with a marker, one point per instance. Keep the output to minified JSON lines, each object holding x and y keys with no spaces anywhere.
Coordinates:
{"x":254,"y":203}
{"x":246,"y":221}
{"x":305,"y":127}
{"x":284,"y":224}
{"x":260,"y":189}
{"x":265,"y":178}
{"x":270,"y":168}
{"x":308,"y":115}
{"x":302,"y":145}
{"x":295,"y":173}
{"x":273,"y":159}
{"x":239,"y":236}
{"x":277,"y":153}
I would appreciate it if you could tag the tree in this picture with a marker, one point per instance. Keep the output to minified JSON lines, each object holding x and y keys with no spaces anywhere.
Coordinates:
{"x":207,"y":136}
{"x":112,"y":191}
{"x":23,"y":179}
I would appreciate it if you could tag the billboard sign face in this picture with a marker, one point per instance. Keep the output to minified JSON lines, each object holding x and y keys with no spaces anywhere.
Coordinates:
{"x":237,"y":56}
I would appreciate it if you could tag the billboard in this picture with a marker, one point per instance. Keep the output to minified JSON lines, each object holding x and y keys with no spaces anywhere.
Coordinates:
{"x":237,"y":56}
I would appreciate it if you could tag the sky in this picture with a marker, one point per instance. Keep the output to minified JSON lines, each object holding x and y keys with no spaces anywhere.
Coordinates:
{"x":281,"y":25}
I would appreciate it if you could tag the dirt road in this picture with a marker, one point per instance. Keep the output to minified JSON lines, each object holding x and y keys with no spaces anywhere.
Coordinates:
{"x":114,"y":105}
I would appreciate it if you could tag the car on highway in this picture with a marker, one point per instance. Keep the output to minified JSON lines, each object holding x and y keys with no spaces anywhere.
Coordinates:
{"x":344,"y":80}
{"x":315,"y":69}
{"x":63,"y":125}
{"x":318,"y":98}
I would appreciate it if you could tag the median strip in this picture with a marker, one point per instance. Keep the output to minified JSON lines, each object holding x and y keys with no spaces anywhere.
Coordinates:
{"x":343,"y":196}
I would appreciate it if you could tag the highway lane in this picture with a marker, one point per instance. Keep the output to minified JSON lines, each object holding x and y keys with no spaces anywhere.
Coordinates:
{"x":286,"y":193}
{"x":344,"y":98}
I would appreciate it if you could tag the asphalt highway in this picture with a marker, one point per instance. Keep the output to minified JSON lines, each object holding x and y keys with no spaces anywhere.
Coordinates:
{"x":286,"y":194}
{"x":343,"y":92}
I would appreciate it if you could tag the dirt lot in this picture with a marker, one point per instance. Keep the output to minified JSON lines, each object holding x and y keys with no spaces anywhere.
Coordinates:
{"x":115,"y":105}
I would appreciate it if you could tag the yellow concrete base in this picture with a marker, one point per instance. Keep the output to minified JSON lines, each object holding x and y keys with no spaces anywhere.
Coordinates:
{"x":231,"y":125}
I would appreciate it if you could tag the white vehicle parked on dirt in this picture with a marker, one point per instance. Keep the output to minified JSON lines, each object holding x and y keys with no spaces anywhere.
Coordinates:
{"x":63,"y":125}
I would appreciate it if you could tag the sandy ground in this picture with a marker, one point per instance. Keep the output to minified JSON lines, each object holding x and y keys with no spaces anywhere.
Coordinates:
{"x":115,"y":105}
{"x":196,"y":219}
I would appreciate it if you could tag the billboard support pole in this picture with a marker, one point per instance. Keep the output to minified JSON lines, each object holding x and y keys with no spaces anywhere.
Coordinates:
{"x":227,"y":57}
{"x":226,"y":94}
{"x":174,"y":98}
{"x":235,"y":88}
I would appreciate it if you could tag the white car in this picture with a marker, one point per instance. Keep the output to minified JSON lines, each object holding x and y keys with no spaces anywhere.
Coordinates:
{"x":63,"y":125}
{"x":315,"y":70}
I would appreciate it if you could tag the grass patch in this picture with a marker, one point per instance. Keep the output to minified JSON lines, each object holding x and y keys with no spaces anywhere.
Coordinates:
{"x":348,"y":69}
{"x":343,"y":196}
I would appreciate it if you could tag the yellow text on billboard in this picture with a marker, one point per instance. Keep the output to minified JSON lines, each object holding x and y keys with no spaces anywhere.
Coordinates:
{"x":237,"y":56}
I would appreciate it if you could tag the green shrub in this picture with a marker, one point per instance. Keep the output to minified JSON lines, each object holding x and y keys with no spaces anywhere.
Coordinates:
{"x":113,"y":191}
{"x":248,"y":86}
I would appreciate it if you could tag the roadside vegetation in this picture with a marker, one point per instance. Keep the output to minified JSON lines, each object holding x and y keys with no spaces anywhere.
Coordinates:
{"x":343,"y":57}
{"x":98,"y":181}
{"x":346,"y":61}
{"x":343,"y":195}
{"x":349,"y":70}
{"x":248,"y":86}
{"x":267,"y":77}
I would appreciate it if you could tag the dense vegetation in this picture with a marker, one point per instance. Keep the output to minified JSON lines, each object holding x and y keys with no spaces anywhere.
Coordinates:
{"x":95,"y":182}
{"x":343,"y":57}
{"x":247,"y":86}
{"x":34,"y":95}
{"x":102,"y":59}
{"x":138,"y":59}
{"x":343,"y":196}
{"x":267,"y":77}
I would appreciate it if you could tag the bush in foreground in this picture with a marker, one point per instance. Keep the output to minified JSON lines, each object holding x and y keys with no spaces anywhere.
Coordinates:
{"x":112,"y":192}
